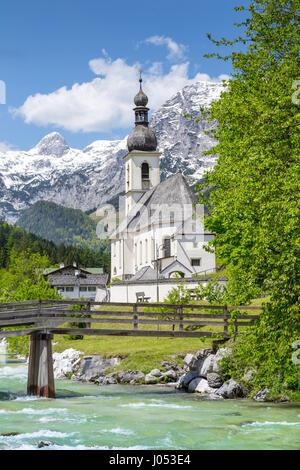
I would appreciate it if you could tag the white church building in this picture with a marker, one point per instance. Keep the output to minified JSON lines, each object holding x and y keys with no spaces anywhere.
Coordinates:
{"x":161,"y":238}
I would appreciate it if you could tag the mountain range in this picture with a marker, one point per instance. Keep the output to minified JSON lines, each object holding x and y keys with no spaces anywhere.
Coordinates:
{"x":83,"y":179}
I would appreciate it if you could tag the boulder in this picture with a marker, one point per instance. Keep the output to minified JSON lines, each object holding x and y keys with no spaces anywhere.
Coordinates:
{"x":214,"y":380}
{"x":220,"y":354}
{"x":93,"y":367}
{"x":200,"y":385}
{"x":156,"y":372}
{"x":230,"y":389}
{"x":188,"y":377}
{"x":130,"y":376}
{"x":207,"y":366}
{"x":262,"y":395}
{"x":170,"y":374}
{"x":151,"y":379}
{"x":65,"y":363}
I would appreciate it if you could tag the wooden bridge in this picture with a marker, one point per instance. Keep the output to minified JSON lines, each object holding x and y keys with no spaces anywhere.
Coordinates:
{"x":42,"y":319}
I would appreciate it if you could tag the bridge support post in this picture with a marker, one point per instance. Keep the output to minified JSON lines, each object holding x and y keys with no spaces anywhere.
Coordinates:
{"x":40,"y":368}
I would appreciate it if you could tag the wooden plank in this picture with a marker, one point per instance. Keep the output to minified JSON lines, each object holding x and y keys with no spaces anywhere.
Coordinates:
{"x":146,"y":333}
{"x":18,"y":304}
{"x":17,"y":321}
{"x":27,"y":331}
{"x":142,"y":321}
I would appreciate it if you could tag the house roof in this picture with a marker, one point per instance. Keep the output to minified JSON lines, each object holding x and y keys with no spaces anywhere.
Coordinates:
{"x":48,"y":271}
{"x":155,"y":205}
{"x":70,"y":280}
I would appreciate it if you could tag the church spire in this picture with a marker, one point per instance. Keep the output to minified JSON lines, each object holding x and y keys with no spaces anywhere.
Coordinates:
{"x":141,"y":137}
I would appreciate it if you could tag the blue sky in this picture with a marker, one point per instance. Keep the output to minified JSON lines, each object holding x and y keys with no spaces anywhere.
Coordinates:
{"x":71,"y":65}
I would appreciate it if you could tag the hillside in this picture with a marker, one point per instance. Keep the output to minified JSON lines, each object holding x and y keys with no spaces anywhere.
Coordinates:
{"x":15,"y":239}
{"x":72,"y":227}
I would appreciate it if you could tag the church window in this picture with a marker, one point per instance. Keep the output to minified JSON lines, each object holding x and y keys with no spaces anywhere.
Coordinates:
{"x":145,"y":171}
{"x":196,"y":262}
{"x":167,"y":247}
{"x":120,"y":254}
{"x":172,"y":217}
{"x":146,"y":251}
{"x":141,"y":252}
{"x":152,"y":249}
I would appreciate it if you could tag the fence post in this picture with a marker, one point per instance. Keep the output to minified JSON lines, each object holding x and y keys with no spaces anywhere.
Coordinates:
{"x":180,"y":318}
{"x":226,"y":317}
{"x":88,"y":308}
{"x":135,"y":317}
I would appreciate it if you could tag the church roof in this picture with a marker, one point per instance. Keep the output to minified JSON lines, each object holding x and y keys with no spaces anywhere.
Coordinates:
{"x":146,"y":274}
{"x":155,"y":205}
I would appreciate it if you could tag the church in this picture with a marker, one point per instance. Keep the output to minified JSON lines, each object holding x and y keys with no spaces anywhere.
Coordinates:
{"x":161,"y":236}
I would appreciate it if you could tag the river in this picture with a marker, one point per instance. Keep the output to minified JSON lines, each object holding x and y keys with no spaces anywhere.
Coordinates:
{"x":86,"y":416}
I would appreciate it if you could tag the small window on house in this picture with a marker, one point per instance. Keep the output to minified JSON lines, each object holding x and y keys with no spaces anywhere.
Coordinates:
{"x":61,"y":289}
{"x":196,"y":262}
{"x":83,"y":289}
{"x":69,"y":289}
{"x":92,"y":289}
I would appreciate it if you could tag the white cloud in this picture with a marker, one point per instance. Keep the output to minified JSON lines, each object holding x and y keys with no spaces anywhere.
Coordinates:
{"x":176,"y":51}
{"x":5,"y":147}
{"x":106,"y":102}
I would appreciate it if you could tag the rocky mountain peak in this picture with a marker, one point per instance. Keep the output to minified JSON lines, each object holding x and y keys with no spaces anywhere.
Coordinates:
{"x":52,"y":144}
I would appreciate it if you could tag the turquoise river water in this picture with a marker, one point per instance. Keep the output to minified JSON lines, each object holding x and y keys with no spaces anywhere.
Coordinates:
{"x":86,"y":416}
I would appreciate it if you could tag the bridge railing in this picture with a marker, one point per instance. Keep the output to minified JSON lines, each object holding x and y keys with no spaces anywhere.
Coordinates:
{"x":107,"y":318}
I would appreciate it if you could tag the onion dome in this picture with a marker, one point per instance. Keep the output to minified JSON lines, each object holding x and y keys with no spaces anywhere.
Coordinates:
{"x":141,"y":137}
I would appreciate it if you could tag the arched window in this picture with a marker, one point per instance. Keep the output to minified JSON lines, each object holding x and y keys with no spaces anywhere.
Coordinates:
{"x":145,"y":171}
{"x":167,"y":247}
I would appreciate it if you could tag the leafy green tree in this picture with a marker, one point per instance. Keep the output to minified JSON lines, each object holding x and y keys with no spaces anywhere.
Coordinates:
{"x":255,"y":204}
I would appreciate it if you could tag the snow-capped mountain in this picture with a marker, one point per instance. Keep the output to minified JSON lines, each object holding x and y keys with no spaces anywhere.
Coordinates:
{"x":82,"y":179}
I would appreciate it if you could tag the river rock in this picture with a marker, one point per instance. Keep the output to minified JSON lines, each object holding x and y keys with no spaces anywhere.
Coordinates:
{"x":214,"y":380}
{"x":155,"y":372}
{"x":44,"y":444}
{"x":230,"y":389}
{"x":93,"y":367}
{"x":150,"y":379}
{"x":170,"y":374}
{"x":199,"y":385}
{"x":130,"y":376}
{"x":109,"y":379}
{"x":261,"y":395}
{"x":214,"y":396}
{"x":65,"y":363}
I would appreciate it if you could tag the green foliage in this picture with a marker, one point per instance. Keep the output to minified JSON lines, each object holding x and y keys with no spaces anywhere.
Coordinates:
{"x":23,"y":282}
{"x":77,"y":307}
{"x":254,"y":207}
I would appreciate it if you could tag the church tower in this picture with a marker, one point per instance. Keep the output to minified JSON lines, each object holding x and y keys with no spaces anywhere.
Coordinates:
{"x":142,"y":162}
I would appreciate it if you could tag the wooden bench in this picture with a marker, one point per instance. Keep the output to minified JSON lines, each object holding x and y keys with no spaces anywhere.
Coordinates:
{"x":140,"y":297}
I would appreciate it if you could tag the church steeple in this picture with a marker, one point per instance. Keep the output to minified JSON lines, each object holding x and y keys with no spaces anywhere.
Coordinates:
{"x":141,"y":137}
{"x":142,"y":161}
